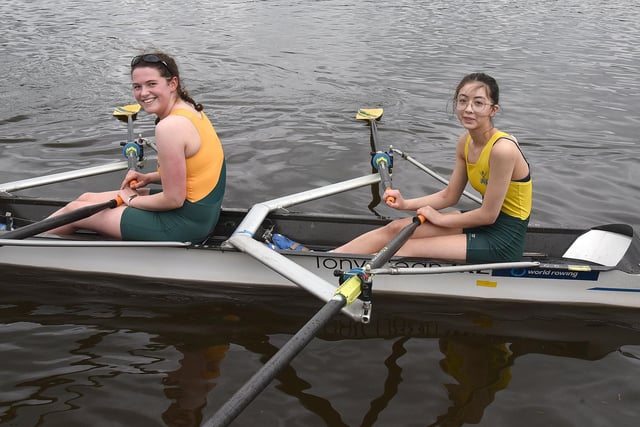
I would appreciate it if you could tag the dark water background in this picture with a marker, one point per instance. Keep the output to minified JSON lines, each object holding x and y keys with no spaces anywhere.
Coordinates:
{"x":282,"y":80}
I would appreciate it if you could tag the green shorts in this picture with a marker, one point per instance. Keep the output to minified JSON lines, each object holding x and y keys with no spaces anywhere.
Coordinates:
{"x":502,"y":241}
{"x":192,"y":222}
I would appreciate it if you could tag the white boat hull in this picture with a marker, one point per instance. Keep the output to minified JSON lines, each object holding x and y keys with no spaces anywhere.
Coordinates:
{"x":211,"y":266}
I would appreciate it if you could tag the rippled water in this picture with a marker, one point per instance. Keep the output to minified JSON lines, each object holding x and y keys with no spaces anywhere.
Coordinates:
{"x":282,"y":81}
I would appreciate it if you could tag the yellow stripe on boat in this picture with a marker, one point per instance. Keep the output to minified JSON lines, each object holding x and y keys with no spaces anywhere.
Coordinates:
{"x":486,"y":283}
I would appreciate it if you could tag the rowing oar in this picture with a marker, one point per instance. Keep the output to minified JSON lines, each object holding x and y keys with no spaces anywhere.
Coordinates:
{"x":60,"y":220}
{"x":345,"y":295}
{"x":128,"y":114}
{"x":381,"y":160}
{"x":132,"y":150}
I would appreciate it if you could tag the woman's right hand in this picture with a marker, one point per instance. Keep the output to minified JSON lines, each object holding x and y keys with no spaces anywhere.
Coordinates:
{"x":393,"y":199}
{"x":135,"y":180}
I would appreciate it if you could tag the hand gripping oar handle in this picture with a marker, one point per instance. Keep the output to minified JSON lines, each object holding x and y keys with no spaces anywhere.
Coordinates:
{"x":126,"y":113}
{"x":60,"y":220}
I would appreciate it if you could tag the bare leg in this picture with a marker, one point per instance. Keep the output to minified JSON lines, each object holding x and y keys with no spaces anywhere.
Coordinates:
{"x":374,"y":240}
{"x":428,"y":241}
{"x":450,"y":247}
{"x":105,"y":222}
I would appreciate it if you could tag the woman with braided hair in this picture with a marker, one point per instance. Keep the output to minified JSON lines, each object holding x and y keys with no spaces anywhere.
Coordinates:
{"x":191,"y":167}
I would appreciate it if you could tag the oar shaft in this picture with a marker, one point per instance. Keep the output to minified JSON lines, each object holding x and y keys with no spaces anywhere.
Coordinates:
{"x":241,"y":399}
{"x":233,"y":407}
{"x":381,"y":165}
{"x":59,"y":220}
{"x":396,"y":243}
{"x":385,"y":177}
{"x":374,"y":135}
{"x":129,"y":128}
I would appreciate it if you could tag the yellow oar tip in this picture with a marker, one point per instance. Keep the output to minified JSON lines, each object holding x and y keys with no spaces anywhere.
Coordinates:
{"x":127,"y":110}
{"x":369,"y":113}
{"x":123,"y":113}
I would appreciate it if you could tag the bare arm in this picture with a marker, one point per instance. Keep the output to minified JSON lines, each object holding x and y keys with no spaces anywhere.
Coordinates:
{"x":447,"y":197}
{"x":502,"y":162}
{"x":175,"y":137}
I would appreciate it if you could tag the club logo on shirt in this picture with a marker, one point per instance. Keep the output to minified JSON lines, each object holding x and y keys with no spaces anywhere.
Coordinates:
{"x":484,"y":177}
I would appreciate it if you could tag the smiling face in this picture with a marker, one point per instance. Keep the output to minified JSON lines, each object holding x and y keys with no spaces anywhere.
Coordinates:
{"x":474,"y":105}
{"x":156,"y":94}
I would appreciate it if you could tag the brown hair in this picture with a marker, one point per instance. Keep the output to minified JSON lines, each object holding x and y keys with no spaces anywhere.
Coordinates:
{"x":168,"y":68}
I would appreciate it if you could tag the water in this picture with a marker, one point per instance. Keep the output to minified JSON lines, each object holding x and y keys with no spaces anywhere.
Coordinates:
{"x":282,"y":82}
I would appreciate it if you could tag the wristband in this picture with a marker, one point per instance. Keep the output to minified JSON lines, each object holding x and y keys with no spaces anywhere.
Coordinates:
{"x":133,"y":196}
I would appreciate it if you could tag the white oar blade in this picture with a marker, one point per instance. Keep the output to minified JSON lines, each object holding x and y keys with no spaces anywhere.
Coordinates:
{"x":599,"y":246}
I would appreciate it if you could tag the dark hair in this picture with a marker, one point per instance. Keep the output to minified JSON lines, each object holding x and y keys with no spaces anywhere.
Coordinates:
{"x":168,"y":68}
{"x":487,"y":80}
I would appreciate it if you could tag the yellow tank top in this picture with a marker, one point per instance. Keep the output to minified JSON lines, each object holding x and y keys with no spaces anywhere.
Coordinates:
{"x":518,"y":200}
{"x":204,"y":167}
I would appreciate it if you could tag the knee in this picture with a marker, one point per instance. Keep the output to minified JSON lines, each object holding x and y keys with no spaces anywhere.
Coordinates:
{"x":74,"y":204}
{"x":86,"y":197}
{"x":394,"y":227}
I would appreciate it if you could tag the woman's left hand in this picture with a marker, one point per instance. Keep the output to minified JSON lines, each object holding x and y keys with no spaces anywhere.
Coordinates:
{"x":126,"y":193}
{"x":430,"y":214}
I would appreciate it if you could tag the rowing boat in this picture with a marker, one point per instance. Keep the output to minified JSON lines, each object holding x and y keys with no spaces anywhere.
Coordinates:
{"x":598,"y":266}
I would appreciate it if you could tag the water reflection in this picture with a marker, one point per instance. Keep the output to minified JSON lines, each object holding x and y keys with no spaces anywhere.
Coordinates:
{"x":188,"y":386}
{"x":480,"y":369}
{"x":183,"y":359}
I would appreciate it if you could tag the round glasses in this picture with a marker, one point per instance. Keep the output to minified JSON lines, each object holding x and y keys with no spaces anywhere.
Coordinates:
{"x":476,"y":104}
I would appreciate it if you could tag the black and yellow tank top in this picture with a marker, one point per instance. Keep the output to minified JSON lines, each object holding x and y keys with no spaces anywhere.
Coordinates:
{"x":518,"y":200}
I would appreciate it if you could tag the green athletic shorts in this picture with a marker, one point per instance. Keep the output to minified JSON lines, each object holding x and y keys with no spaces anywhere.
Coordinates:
{"x":502,"y":241}
{"x":190,"y":223}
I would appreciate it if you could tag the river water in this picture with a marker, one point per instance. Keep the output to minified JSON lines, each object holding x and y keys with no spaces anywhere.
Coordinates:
{"x":282,"y":80}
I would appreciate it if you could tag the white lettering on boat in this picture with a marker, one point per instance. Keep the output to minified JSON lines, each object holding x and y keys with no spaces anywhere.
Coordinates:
{"x":547,"y":273}
{"x":556,"y":273}
{"x":347,"y":264}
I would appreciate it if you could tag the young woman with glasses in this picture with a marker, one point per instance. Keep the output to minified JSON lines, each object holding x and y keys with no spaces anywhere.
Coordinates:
{"x":191,"y":167}
{"x":492,"y":162}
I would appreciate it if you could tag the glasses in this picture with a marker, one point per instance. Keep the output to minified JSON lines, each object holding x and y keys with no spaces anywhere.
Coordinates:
{"x":476,"y":104}
{"x":151,"y":59}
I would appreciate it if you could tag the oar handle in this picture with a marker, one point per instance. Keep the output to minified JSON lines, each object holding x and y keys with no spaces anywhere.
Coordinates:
{"x":118,"y":199}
